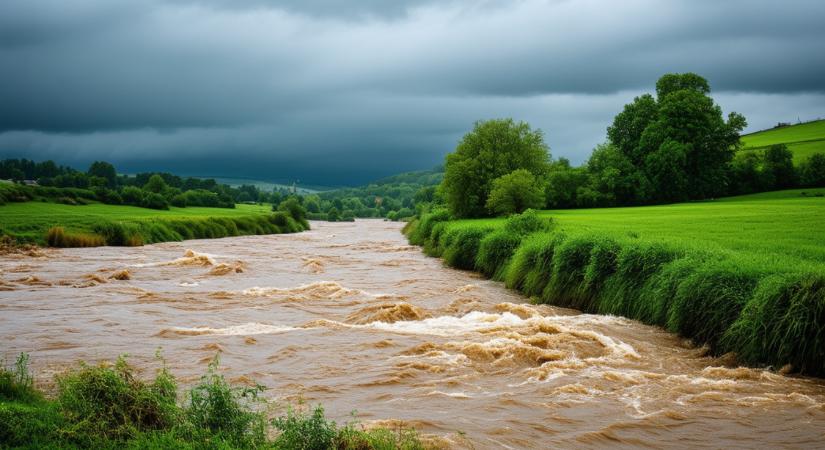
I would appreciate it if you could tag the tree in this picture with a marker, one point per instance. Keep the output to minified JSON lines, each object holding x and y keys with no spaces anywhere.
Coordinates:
{"x":492,"y":149}
{"x":562,"y":184}
{"x":778,"y":164}
{"x":680,"y":142}
{"x":615,"y":178}
{"x":812,"y":171}
{"x":105,"y":170}
{"x":156,"y":184}
{"x":515,"y":192}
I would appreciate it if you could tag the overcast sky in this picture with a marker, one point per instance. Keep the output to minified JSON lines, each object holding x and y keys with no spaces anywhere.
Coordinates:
{"x":340,"y":92}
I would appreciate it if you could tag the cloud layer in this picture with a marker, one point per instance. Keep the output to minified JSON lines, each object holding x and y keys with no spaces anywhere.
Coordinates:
{"x":335,"y":92}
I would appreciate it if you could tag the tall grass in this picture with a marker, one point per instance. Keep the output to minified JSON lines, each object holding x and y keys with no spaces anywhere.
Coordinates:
{"x":110,"y":407}
{"x":768,"y":314}
{"x":137,"y":233}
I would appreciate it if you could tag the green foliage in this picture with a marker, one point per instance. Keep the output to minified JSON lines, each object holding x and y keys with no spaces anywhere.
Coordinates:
{"x":105,"y":171}
{"x":679,"y":141}
{"x":492,"y":149}
{"x":109,"y":407}
{"x":16,"y":383}
{"x":306,"y":431}
{"x":156,"y":184}
{"x":778,"y":165}
{"x":515,"y":192}
{"x":812,"y":171}
{"x":527,"y":222}
{"x":225,"y":411}
{"x":110,"y":403}
{"x":495,"y":251}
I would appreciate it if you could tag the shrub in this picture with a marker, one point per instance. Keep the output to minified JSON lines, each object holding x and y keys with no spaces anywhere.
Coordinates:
{"x":461,"y":246}
{"x":16,"y":383}
{"x":495,"y":251}
{"x":110,"y":402}
{"x":225,"y":411}
{"x":118,"y":233}
{"x":528,"y":222}
{"x":515,"y":192}
{"x":154,"y":201}
{"x":58,"y":237}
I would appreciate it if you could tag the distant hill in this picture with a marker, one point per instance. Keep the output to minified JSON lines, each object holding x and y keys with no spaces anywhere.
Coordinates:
{"x":421,"y":177}
{"x":803,"y":139}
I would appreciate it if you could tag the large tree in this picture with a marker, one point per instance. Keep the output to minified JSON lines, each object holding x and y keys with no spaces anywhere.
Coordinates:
{"x":105,"y":170}
{"x":680,"y":141}
{"x":492,"y":149}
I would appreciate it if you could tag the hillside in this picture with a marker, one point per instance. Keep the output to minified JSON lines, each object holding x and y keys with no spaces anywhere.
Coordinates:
{"x":803,"y":140}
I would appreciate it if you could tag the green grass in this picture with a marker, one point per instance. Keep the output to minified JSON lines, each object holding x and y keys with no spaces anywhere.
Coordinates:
{"x":741,"y":274}
{"x":110,"y":407}
{"x":129,"y":225}
{"x":803,"y":140}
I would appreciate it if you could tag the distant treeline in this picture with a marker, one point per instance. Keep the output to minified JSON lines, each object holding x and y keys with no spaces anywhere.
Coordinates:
{"x":101,"y":182}
{"x":393,"y":198}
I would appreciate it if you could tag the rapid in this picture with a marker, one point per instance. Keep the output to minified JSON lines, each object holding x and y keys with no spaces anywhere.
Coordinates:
{"x":350,"y":316}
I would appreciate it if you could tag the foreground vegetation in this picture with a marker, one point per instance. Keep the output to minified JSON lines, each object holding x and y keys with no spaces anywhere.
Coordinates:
{"x":743,"y":275}
{"x":97,"y":224}
{"x":108,"y":406}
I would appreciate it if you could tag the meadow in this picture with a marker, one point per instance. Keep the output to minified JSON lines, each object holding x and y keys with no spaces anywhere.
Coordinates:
{"x":100,"y":224}
{"x":803,"y":140}
{"x":741,"y":274}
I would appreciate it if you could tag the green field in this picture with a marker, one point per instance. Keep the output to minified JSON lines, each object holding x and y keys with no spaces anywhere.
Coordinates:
{"x":741,"y":274}
{"x":780,"y":228}
{"x":803,"y":140}
{"x":31,"y":221}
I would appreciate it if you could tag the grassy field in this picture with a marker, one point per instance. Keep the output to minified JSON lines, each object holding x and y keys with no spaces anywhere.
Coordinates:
{"x":803,"y":140}
{"x":31,"y":221}
{"x":782,"y":228}
{"x":742,"y":274}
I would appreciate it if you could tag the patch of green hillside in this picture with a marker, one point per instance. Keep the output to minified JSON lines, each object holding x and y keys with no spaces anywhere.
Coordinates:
{"x":803,"y":140}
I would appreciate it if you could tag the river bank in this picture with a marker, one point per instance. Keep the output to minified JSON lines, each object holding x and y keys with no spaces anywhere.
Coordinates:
{"x":350,"y":316}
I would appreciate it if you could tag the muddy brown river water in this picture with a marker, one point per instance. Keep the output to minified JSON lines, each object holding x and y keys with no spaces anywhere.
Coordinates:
{"x":350,"y":316}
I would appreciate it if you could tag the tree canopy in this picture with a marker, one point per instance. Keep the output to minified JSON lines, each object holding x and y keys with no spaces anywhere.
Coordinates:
{"x":492,"y":149}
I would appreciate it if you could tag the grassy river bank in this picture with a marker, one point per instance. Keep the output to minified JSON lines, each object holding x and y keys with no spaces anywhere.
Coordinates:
{"x":742,"y":274}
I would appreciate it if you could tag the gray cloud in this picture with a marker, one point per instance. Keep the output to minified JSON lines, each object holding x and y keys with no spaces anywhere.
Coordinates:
{"x":349,"y":90}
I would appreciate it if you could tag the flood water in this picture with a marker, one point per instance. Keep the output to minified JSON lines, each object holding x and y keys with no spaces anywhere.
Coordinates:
{"x":350,"y":316}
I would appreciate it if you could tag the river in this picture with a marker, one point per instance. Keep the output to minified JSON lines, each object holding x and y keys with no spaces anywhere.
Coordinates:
{"x":350,"y":316}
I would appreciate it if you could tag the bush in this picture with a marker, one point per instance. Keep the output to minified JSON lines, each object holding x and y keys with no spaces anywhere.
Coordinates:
{"x":515,"y":192}
{"x":154,"y":201}
{"x":225,"y":411}
{"x":461,"y":246}
{"x":528,"y":222}
{"x":495,"y":251}
{"x":110,"y":402}
{"x":58,"y":237}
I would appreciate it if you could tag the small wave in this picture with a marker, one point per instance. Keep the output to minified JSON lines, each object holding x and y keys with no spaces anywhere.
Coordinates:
{"x":189,"y":258}
{"x":387,"y":313}
{"x":246,"y":329}
{"x":225,"y":269}
{"x":313,"y":265}
{"x":121,"y":275}
{"x":317,"y":290}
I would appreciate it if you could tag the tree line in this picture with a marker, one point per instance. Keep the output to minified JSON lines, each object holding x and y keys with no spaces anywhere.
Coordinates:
{"x":674,"y":147}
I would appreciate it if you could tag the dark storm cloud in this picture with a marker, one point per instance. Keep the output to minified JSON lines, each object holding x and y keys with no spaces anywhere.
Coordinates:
{"x":350,"y":90}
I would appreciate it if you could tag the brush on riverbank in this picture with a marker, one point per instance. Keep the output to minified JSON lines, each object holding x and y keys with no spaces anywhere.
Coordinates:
{"x":742,"y":275}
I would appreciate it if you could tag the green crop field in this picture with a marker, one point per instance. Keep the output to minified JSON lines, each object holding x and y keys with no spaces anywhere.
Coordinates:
{"x":99,"y":224}
{"x":741,"y":274}
{"x":803,"y":140}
